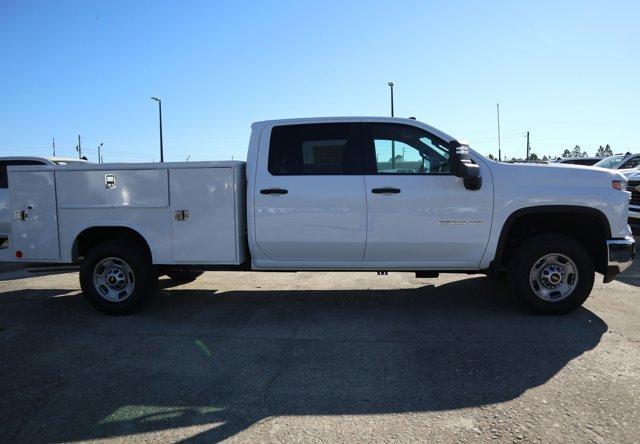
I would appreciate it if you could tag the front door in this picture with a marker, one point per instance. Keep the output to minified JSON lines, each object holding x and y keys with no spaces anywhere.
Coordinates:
{"x":310,"y":204}
{"x":417,"y":211}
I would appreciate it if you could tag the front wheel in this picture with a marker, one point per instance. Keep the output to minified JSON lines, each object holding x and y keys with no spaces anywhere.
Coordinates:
{"x":552,"y":274}
{"x":117,"y":277}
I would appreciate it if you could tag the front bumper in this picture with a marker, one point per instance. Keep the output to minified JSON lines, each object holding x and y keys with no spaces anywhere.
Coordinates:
{"x":620,"y":255}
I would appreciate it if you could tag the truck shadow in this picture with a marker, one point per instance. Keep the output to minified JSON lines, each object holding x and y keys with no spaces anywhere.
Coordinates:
{"x":221,"y":362}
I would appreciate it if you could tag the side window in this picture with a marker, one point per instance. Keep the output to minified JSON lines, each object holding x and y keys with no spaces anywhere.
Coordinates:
{"x":327,"y":148}
{"x":631,"y":163}
{"x":405,"y":149}
{"x":5,"y":163}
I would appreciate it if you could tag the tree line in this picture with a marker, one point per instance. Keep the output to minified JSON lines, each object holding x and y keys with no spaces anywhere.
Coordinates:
{"x":577,"y":151}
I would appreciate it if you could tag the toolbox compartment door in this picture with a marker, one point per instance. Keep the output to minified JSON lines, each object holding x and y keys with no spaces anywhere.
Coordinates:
{"x":34,"y":220}
{"x":203,"y":215}
{"x":118,"y":188}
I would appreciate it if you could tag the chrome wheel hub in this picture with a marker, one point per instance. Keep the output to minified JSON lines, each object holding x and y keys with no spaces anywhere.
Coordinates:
{"x":553,"y":277}
{"x":113,"y":279}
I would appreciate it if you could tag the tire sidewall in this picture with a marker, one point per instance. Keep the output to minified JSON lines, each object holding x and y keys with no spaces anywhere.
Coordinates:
{"x":534,"y":249}
{"x":139,"y":261}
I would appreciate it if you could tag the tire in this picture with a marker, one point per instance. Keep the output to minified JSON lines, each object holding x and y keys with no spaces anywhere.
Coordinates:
{"x":184,"y":276}
{"x":552,"y":274}
{"x":125,"y":264}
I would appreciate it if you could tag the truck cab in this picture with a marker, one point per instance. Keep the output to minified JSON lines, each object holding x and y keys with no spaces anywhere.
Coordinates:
{"x":374,"y":194}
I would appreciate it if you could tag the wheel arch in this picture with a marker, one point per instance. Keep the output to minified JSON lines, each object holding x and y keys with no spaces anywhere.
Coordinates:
{"x":94,"y":235}
{"x":522,"y":218}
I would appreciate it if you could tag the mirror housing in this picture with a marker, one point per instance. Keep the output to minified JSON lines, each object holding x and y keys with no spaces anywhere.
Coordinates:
{"x":462,"y":166}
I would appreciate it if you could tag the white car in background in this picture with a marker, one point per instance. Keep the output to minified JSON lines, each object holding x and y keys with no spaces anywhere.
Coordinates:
{"x":5,"y":219}
{"x":620,"y":162}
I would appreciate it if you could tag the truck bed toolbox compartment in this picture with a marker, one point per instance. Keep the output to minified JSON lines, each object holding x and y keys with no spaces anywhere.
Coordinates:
{"x":144,"y":188}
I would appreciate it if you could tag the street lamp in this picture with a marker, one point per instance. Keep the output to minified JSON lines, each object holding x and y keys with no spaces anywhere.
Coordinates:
{"x":99,"y":154}
{"x":391,"y":85}
{"x":160,"y":114}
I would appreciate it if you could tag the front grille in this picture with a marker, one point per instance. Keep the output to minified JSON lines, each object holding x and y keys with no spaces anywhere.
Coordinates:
{"x":634,"y":187}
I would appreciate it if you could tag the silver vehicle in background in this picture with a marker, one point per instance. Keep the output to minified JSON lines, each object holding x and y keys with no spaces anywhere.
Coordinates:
{"x":633,"y":186}
{"x":587,"y":161}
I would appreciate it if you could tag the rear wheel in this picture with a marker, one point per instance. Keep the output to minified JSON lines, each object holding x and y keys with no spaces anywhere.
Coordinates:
{"x":184,"y":276}
{"x":117,"y":277}
{"x":552,"y":274}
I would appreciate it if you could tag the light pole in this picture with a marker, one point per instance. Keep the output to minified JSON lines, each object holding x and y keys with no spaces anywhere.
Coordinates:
{"x":160,"y":114}
{"x":499,"y":145}
{"x":393,"y":144}
{"x":99,"y":155}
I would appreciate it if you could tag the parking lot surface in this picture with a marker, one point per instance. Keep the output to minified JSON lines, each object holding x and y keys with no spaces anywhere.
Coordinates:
{"x":319,"y":357}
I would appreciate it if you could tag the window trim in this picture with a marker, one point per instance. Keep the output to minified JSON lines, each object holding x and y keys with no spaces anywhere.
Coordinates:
{"x":368,"y":149}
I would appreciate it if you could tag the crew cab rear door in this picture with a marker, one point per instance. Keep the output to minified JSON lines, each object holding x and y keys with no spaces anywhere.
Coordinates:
{"x":417,"y":211}
{"x":309,"y":201}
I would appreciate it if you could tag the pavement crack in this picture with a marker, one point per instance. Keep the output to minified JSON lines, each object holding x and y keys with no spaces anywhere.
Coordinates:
{"x":287,"y":348}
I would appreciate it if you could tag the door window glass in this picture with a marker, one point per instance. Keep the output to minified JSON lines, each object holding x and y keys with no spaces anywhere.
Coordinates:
{"x":631,"y":163}
{"x":313,"y":149}
{"x":405,"y":149}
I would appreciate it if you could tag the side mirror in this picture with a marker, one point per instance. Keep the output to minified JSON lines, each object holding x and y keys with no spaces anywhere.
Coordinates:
{"x":462,"y":166}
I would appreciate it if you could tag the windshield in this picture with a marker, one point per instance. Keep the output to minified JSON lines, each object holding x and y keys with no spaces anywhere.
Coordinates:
{"x":611,"y":162}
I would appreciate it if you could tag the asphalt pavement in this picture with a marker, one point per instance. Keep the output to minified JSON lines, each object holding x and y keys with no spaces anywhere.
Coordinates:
{"x":348,"y":357}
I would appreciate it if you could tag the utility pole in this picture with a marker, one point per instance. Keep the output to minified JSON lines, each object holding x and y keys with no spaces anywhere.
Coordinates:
{"x":99,"y":155}
{"x":499,"y":145}
{"x":54,"y":147}
{"x":79,"y":148}
{"x":528,"y":147}
{"x":393,"y":144}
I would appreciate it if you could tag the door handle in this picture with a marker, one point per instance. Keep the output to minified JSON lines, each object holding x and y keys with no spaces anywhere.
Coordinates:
{"x":385,"y":190}
{"x":274,"y":191}
{"x":182,"y":215}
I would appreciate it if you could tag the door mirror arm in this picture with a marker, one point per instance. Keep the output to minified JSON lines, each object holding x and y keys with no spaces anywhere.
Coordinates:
{"x":473,"y":183}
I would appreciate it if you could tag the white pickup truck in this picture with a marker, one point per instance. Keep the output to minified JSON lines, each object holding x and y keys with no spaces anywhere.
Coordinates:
{"x":334,"y":194}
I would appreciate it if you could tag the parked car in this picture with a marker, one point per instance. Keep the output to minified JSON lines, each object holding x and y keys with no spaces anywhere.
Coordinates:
{"x":4,"y":192}
{"x":633,"y":186}
{"x":338,"y":194}
{"x":621,"y":162}
{"x":588,"y":161}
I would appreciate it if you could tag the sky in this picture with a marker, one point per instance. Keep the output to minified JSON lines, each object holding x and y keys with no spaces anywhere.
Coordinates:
{"x":567,"y":71}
